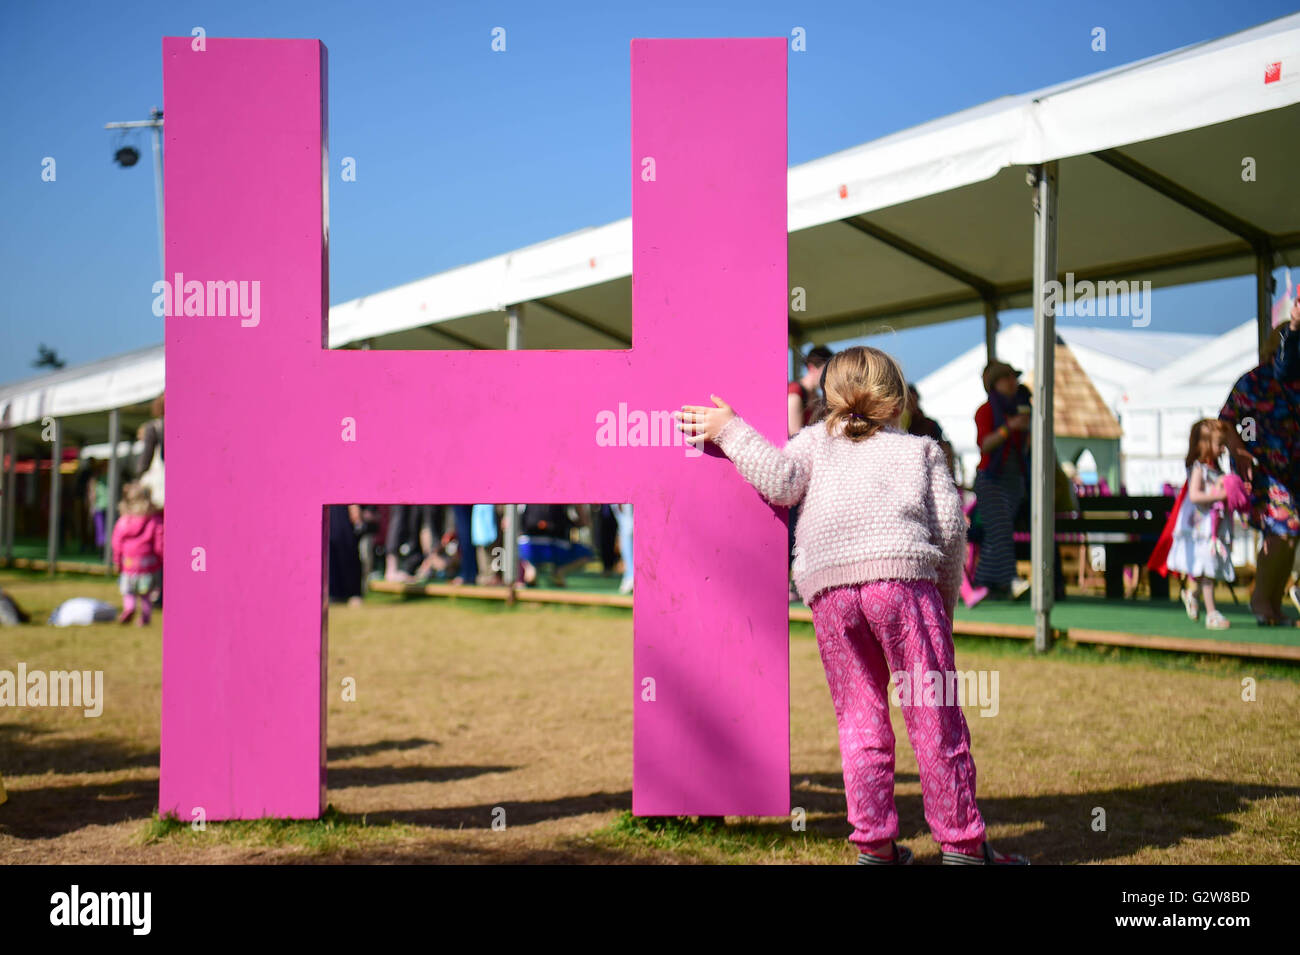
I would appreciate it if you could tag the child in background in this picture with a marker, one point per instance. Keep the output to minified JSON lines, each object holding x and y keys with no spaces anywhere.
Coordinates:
{"x":881,"y":541}
{"x":137,"y":551}
{"x":1202,"y":541}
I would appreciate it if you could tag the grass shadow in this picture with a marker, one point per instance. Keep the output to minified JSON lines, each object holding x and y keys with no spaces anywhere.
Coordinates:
{"x":346,"y":777}
{"x":30,"y":750}
{"x":1159,"y":816}
{"x":353,"y":751}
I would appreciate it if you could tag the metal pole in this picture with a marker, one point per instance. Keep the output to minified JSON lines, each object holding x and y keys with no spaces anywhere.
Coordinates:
{"x":158,"y":191}
{"x":56,"y":485}
{"x":1263,"y":293}
{"x":114,"y":436}
{"x":990,"y":331}
{"x":1043,"y":452}
{"x":11,"y":501}
{"x":7,"y":516}
{"x":796,"y":354}
{"x":514,"y":341}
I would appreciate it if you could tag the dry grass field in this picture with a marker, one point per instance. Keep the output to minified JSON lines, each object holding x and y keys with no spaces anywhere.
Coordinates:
{"x":468,"y":706}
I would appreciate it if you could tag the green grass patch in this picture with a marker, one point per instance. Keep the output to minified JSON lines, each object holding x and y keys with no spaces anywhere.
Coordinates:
{"x":714,"y":839}
{"x":1094,"y":654}
{"x":332,"y":832}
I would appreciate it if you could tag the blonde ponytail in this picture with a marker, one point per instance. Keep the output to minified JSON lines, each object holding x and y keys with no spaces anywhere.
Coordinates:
{"x":865,"y":391}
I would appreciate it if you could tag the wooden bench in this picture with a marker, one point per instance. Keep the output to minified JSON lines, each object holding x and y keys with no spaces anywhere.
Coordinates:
{"x":1126,"y":526}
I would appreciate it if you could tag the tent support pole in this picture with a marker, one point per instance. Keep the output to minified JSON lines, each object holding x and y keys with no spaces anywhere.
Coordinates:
{"x":1263,"y":292}
{"x":10,"y":467}
{"x":114,"y":436}
{"x":56,"y":487}
{"x":514,"y":341}
{"x":11,"y":494}
{"x":796,"y":351}
{"x":990,"y":331}
{"x":1043,"y":457}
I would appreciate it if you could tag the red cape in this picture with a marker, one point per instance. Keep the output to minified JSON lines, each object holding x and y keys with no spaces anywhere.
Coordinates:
{"x":1160,"y":555}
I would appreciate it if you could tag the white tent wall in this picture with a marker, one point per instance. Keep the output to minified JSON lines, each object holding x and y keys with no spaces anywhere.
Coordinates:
{"x":1157,"y":416}
{"x":1121,"y":360}
{"x":952,"y":393}
{"x":1167,"y":382}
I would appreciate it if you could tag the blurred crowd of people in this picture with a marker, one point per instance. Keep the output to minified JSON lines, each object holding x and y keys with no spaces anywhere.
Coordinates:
{"x":132,"y":525}
{"x":465,"y":543}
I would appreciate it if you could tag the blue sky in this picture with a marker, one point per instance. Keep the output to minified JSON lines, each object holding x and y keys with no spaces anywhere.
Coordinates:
{"x":464,"y":154}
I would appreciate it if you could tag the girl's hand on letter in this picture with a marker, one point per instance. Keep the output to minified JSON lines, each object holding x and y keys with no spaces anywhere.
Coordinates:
{"x":701,"y":424}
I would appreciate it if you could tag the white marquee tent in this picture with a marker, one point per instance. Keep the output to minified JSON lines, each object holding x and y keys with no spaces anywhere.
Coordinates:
{"x":1158,"y":414}
{"x":1115,"y":361}
{"x":1156,"y":383}
{"x":1170,"y":170}
{"x":934,"y":222}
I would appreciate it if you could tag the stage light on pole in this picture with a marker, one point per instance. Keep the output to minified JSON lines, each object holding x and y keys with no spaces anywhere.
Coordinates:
{"x":127,"y":156}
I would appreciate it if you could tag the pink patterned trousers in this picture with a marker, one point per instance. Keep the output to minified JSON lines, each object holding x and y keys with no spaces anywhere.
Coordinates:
{"x":866,"y":632}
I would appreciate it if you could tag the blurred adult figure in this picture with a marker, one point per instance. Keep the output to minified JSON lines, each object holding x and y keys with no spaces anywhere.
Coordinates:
{"x":465,"y":550}
{"x":149,"y":463}
{"x":1264,"y":404}
{"x":606,"y":534}
{"x":150,"y":473}
{"x":547,"y":539}
{"x":99,"y":503}
{"x":926,"y":427}
{"x":485,"y":526}
{"x":804,"y":401}
{"x":344,"y":557}
{"x":1002,"y":431}
{"x":801,"y":392}
{"x":368,"y":541}
{"x":411,"y":544}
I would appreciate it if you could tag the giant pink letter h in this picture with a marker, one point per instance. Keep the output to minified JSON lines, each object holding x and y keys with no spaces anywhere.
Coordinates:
{"x":257,"y":441}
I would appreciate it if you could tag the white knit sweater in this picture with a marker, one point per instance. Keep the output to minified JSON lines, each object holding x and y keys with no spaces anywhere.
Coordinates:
{"x":881,"y":509}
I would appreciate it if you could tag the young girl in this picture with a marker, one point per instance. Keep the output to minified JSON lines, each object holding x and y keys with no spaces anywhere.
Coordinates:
{"x":1202,"y":542}
{"x":880,"y":546}
{"x":137,"y":551}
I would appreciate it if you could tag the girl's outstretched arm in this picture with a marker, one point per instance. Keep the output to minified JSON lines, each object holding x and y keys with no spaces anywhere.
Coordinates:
{"x":779,"y":474}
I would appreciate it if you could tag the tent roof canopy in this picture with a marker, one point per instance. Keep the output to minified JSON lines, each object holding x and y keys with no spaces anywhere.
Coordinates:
{"x":80,"y":394}
{"x":927,"y":224}
{"x":921,"y":226}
